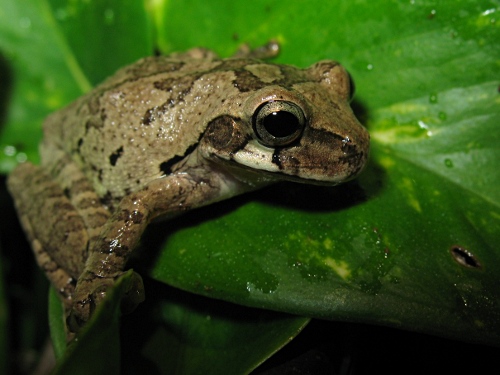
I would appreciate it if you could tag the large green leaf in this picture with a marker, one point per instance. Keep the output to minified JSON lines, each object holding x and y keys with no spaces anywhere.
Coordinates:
{"x":412,"y":243}
{"x":173,"y":332}
{"x":55,"y":51}
{"x":387,"y":249}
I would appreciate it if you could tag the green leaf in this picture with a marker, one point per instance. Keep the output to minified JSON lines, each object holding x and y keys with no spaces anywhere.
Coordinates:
{"x":108,"y":22}
{"x":55,"y":51}
{"x":193,"y":335}
{"x":174,"y":333}
{"x":57,"y":324}
{"x":383,"y":250}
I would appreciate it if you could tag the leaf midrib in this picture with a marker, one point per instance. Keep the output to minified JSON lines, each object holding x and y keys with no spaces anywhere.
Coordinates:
{"x":70,"y":59}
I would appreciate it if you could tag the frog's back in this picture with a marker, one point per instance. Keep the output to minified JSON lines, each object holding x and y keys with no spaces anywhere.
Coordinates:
{"x":128,"y":130}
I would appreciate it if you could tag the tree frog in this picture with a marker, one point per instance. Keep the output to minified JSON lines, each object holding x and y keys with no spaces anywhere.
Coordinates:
{"x":168,"y":134}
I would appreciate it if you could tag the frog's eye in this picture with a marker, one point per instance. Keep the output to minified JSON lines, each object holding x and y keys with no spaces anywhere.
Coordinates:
{"x":278,"y":123}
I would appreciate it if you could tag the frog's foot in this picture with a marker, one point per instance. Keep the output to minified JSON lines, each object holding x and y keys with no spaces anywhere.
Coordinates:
{"x":90,"y":293}
{"x":134,"y":294}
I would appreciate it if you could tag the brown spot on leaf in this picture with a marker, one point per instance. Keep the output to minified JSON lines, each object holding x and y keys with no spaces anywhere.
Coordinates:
{"x":464,"y":257}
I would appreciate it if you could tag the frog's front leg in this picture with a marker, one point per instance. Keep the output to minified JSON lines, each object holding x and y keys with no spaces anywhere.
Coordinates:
{"x":108,"y":256}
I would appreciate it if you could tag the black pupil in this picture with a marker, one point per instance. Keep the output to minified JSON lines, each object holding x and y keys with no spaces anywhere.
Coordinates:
{"x":281,"y":124}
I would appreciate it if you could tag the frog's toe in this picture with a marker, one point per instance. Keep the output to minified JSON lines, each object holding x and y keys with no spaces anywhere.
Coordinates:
{"x":79,"y":315}
{"x":86,"y":302}
{"x":74,"y":322}
{"x":134,"y":294}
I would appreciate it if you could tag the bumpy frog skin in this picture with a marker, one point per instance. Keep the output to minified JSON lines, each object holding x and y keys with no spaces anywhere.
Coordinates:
{"x":169,"y":134}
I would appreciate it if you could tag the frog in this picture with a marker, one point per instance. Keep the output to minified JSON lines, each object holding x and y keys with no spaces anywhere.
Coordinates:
{"x":168,"y":134}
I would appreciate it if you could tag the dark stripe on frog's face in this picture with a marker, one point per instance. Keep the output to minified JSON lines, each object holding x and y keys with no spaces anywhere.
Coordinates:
{"x":257,"y":76}
{"x":320,"y":156}
{"x":246,"y":81}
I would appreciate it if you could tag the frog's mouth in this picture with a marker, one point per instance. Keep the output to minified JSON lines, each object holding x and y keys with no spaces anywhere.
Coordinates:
{"x":333,"y":166}
{"x":266,"y":167}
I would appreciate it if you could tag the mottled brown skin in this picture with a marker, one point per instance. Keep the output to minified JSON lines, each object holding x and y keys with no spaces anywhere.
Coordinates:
{"x":166,"y":135}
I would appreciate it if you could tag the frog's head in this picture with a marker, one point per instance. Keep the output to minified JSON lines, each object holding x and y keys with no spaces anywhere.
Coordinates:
{"x":300,"y":129}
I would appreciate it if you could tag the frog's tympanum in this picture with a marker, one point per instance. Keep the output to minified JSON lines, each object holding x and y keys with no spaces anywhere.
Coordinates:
{"x":169,"y":134}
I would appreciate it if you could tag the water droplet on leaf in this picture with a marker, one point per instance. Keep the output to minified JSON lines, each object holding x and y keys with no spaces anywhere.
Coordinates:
{"x":25,"y":23}
{"x":61,"y":14}
{"x":109,"y":16}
